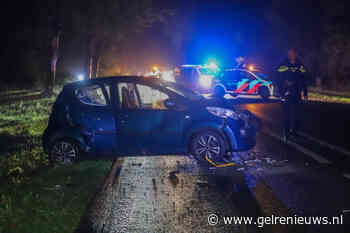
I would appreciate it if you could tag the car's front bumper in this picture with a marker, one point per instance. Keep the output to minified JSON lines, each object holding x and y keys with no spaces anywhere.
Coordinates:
{"x":241,"y":136}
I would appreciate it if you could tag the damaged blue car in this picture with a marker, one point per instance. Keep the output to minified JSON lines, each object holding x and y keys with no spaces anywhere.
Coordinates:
{"x":135,"y":116}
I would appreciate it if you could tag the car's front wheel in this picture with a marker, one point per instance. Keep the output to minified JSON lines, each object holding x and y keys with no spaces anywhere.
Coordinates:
{"x":209,"y":144}
{"x":219,"y":91}
{"x":63,"y":152}
{"x":264,"y":93}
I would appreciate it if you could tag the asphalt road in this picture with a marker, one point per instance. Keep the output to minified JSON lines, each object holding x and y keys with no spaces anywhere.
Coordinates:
{"x":327,"y":122}
{"x":176,"y":194}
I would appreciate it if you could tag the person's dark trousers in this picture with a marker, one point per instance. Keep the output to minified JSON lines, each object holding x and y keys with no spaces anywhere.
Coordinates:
{"x":290,"y":111}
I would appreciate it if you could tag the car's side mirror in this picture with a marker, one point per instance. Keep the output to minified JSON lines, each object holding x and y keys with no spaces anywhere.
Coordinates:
{"x":170,"y":104}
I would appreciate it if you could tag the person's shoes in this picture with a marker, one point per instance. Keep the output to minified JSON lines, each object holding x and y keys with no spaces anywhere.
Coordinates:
{"x":293,"y":134}
{"x":285,"y":137}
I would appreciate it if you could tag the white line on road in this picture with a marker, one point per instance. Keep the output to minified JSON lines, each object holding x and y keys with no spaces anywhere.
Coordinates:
{"x":316,"y":140}
{"x":347,"y":176}
{"x":326,"y":144}
{"x":300,"y":148}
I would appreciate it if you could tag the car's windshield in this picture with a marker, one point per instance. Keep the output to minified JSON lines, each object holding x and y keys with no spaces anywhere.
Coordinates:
{"x":185,"y":92}
{"x":263,"y":76}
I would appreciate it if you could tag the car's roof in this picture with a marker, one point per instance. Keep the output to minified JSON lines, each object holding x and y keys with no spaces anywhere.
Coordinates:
{"x":236,"y":69}
{"x":111,"y":79}
{"x":191,"y":66}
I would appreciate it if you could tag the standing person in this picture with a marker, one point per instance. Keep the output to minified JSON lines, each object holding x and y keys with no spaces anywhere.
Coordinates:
{"x":292,"y":82}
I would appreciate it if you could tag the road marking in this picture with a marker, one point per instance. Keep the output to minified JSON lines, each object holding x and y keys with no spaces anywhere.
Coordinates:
{"x":300,"y":148}
{"x":326,"y":144}
{"x":316,"y":140}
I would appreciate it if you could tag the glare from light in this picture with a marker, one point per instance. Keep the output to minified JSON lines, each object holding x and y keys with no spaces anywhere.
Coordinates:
{"x":168,"y":76}
{"x":155,"y":68}
{"x":251,"y":68}
{"x":205,"y":81}
{"x":213,"y":65}
{"x":80,"y":77}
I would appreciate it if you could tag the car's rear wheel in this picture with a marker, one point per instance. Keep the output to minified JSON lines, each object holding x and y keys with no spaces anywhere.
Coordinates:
{"x":264,"y":93}
{"x":208,"y":143}
{"x":64,"y":152}
{"x":219,"y":91}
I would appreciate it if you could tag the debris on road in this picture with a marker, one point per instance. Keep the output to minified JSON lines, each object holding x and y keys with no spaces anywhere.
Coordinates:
{"x":256,"y":160}
{"x":174,"y":180}
{"x":137,"y":164}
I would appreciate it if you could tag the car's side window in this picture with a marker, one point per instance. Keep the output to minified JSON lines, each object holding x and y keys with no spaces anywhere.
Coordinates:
{"x":91,"y":95}
{"x":246,"y":75}
{"x":232,"y":76}
{"x":151,"y":98}
{"x":127,"y":96}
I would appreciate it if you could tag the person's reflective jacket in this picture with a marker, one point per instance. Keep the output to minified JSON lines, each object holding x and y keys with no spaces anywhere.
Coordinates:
{"x":292,"y":81}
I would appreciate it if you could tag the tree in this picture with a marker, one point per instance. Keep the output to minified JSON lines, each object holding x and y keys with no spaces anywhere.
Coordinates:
{"x":104,"y":25}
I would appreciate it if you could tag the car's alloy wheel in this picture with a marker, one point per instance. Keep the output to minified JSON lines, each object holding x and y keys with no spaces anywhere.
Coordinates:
{"x":208,"y":144}
{"x":63,"y":152}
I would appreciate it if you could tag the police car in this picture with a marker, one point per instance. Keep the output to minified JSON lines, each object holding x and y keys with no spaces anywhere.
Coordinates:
{"x":241,"y":81}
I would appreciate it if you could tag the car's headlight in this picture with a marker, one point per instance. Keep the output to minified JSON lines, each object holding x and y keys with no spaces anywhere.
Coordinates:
{"x":223,"y":112}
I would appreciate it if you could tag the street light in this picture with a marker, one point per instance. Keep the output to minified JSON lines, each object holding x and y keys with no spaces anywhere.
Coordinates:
{"x":251,"y":68}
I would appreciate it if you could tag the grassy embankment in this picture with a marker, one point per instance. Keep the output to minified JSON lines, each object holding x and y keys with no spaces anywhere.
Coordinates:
{"x":329,"y":96}
{"x":35,"y":197}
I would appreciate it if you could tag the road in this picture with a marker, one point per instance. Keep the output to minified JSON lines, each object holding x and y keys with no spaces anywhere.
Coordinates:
{"x":175,"y":194}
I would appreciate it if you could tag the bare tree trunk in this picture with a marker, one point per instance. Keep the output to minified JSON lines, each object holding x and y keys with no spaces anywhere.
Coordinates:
{"x":54,"y":49}
{"x":98,"y":61}
{"x":90,"y":56}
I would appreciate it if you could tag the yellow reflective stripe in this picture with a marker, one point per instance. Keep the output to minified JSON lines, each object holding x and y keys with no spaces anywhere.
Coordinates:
{"x":294,"y":69}
{"x":302,"y":69}
{"x":218,"y":165}
{"x":282,"y":68}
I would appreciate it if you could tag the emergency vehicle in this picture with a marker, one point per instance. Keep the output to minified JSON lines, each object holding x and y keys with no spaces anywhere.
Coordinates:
{"x":241,"y":81}
{"x":196,"y":77}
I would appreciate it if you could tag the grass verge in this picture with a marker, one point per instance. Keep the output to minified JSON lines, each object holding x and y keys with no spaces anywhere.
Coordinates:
{"x":35,"y":197}
{"x":52,"y":200}
{"x":328,"y":98}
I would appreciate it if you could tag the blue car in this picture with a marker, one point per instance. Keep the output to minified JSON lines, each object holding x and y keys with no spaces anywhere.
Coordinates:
{"x":135,"y":116}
